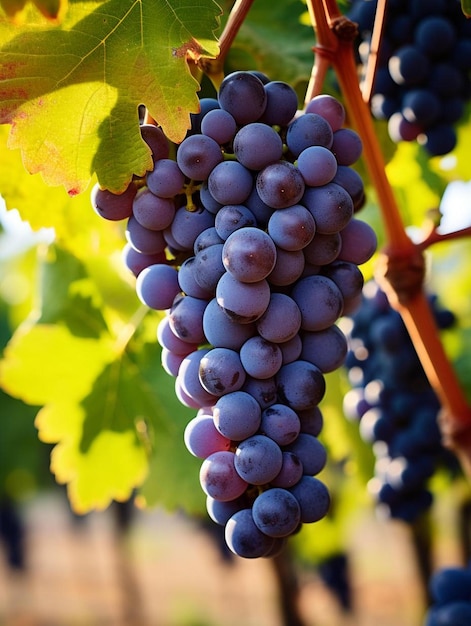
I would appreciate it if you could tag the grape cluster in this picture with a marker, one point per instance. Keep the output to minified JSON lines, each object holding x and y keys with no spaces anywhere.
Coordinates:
{"x":423,"y":76}
{"x":249,"y":242}
{"x":395,"y":404}
{"x":450,"y":590}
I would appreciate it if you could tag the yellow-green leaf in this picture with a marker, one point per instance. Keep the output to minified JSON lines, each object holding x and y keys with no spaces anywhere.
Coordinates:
{"x":71,"y":93}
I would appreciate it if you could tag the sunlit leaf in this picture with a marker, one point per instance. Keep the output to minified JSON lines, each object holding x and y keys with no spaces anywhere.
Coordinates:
{"x":72,"y":93}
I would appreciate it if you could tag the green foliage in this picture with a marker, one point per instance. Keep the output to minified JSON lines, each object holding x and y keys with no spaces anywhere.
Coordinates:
{"x":73,"y":102}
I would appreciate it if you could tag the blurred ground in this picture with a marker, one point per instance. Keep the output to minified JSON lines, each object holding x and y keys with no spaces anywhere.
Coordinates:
{"x":168,"y":572}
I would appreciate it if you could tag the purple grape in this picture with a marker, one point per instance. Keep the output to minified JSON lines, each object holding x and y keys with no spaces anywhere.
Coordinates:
{"x":258,"y":459}
{"x":249,"y":254}
{"x":237,"y":415}
{"x":157,"y":286}
{"x":221,"y":371}
{"x":276,"y":512}
{"x":244,"y":538}
{"x":219,"y":478}
{"x":202,"y":438}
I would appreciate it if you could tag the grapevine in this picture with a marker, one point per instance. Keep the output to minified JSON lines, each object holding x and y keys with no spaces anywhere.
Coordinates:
{"x":238,"y":215}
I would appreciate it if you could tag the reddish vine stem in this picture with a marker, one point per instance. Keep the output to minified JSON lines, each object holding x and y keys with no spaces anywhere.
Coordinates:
{"x":373,"y":55}
{"x":214,"y":68}
{"x":335,"y":36}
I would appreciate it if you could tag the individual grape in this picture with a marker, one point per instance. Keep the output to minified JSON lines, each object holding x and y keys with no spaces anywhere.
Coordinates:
{"x":244,"y":538}
{"x":351,"y":181}
{"x":409,"y":66}
{"x":290,"y":472}
{"x":264,"y":391}
{"x":187,"y":225}
{"x":249,"y":254}
{"x":261,"y":211}
{"x":113,"y":206}
{"x":311,"y":421}
{"x":257,"y":145}
{"x":230,"y":183}
{"x":260,"y":358}
{"x":221,"y":371}
{"x":258,"y":459}
{"x":243,"y":95}
{"x":313,"y":498}
{"x":421,"y":106}
{"x":329,"y":108}
{"x":187,"y":282}
{"x":326,"y":349}
{"x":202,"y":438}
{"x":282,"y":104}
{"x":280,"y":185}
{"x":151,"y":211}
{"x":157,"y":286}
{"x":276,"y":512}
{"x":221,"y":512}
{"x":156,"y":140}
{"x":143,"y":239}
{"x":288,"y":267}
{"x":206,"y":105}
{"x":434,"y":36}
{"x":319,"y":300}
{"x":188,"y":379}
{"x":137,"y":261}
{"x":323,"y":249}
{"x":207,"y":200}
{"x":232,"y":217}
{"x":300,"y":385}
{"x":186,"y":318}
{"x":237,"y":415}
{"x":331,"y":207}
{"x":219,"y":125}
{"x":450,"y":584}
{"x":318,"y":165}
{"x":347,"y":276}
{"x":446,"y":81}
{"x":219,"y":478}
{"x":359,"y":242}
{"x":310,"y":452}
{"x":292,"y":228}
{"x":438,"y":140}
{"x":209,"y":267}
{"x":280,"y":423}
{"x":223,"y":332}
{"x":291,"y":349}
{"x":243,"y":302}
{"x":198,"y":155}
{"x":308,"y":130}
{"x":171,"y":362}
{"x":346,"y":146}
{"x":281,"y":320}
{"x":166,"y":180}
{"x":400,"y":129}
{"x":206,"y":238}
{"x":170,"y":341}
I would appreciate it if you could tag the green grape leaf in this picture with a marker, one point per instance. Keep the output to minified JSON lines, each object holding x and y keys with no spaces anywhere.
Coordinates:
{"x":41,"y":364}
{"x":71,"y":93}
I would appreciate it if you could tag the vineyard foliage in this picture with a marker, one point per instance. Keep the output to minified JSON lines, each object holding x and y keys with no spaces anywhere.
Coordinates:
{"x":81,"y":362}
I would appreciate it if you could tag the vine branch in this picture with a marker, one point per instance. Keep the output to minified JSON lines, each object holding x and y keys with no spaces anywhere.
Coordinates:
{"x":335,"y":38}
